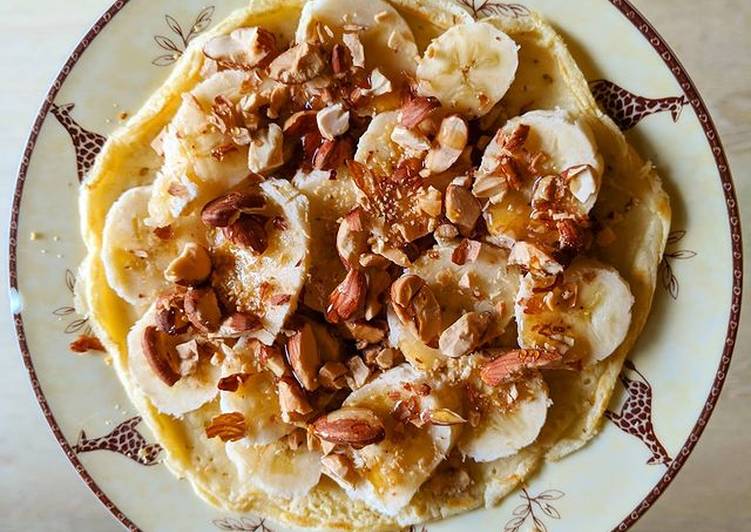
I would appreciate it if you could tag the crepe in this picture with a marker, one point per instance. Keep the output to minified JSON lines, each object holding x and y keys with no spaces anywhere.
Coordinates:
{"x":632,"y":203}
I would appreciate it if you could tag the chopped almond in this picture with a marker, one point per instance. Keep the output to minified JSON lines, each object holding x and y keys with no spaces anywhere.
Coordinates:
{"x":85,"y":343}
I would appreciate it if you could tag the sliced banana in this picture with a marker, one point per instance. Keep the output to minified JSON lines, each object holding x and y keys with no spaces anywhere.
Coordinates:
{"x":275,"y":468}
{"x":134,"y":257}
{"x":486,"y":284}
{"x":190,"y":175}
{"x":387,"y":474}
{"x":386,"y":37}
{"x":566,"y":143}
{"x":258,"y":401}
{"x":586,"y":317}
{"x":400,"y":202}
{"x":330,"y":200}
{"x":187,"y":394}
{"x":268,"y":284}
{"x":511,"y":418}
{"x":469,"y":68}
{"x":376,"y":149}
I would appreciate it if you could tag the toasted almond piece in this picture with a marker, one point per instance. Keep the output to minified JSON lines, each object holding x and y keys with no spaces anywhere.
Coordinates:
{"x":248,"y":232}
{"x":450,"y":143}
{"x":417,"y":109}
{"x":512,"y":365}
{"x":191,"y":266}
{"x":489,"y":186}
{"x":231,"y":383}
{"x":379,"y":84}
{"x":202,"y":309}
{"x":357,"y":427}
{"x":341,"y":59}
{"x":224,"y":210}
{"x":352,"y":237}
{"x":188,"y":353}
{"x":266,"y":151}
{"x":388,"y":358}
{"x":300,"y":123}
{"x":240,"y":323}
{"x":417,"y":308}
{"x":360,"y":372}
{"x":298,"y":64}
{"x":332,"y":154}
{"x":227,"y":427}
{"x":339,"y":466}
{"x":431,"y":201}
{"x":331,"y":375}
{"x":347,"y":298}
{"x":410,"y":140}
{"x":444,"y":417}
{"x":533,"y":259}
{"x":465,"y":335}
{"x":333,"y":121}
{"x":573,"y":236}
{"x":462,"y":208}
{"x":272,"y":358}
{"x":379,"y":281}
{"x":467,"y":251}
{"x":170,"y":311}
{"x":302,"y":353}
{"x":367,"y":332}
{"x":446,"y":234}
{"x":292,"y":400}
{"x":85,"y":343}
{"x":356,"y":49}
{"x":159,"y":356}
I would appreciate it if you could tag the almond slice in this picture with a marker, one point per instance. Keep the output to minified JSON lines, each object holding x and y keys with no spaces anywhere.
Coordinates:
{"x":357,"y":427}
{"x":248,"y":231}
{"x":417,"y":308}
{"x":227,"y":427}
{"x":303,"y":356}
{"x":512,"y":365}
{"x":347,"y":298}
{"x":202,"y":309}
{"x":159,"y":356}
{"x":225,"y":210}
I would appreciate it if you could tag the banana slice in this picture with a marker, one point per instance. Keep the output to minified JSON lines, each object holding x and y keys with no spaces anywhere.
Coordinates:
{"x":485,"y":284}
{"x":190,"y":175}
{"x":376,"y":149}
{"x":275,"y":468}
{"x":403,"y":206}
{"x":387,"y":474}
{"x":268,"y":284}
{"x":511,"y":418}
{"x":330,"y":200}
{"x":187,"y":394}
{"x":469,"y":68}
{"x":586,"y":317}
{"x":258,"y":401}
{"x":568,"y":143}
{"x":386,"y":37}
{"x":134,"y":257}
{"x":567,"y":146}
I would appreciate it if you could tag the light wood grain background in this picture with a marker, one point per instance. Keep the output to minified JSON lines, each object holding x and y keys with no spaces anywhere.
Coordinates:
{"x":40,"y":491}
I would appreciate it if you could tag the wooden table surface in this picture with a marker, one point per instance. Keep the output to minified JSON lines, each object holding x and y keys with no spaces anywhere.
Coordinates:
{"x":39,"y":490}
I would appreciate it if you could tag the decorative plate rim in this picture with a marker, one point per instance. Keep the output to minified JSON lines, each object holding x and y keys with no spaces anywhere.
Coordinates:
{"x":670,"y":59}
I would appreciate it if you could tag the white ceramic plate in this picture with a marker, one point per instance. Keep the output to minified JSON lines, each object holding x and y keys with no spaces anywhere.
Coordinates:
{"x":675,"y":372}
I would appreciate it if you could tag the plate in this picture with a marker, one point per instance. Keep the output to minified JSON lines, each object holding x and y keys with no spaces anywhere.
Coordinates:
{"x":667,"y":391}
